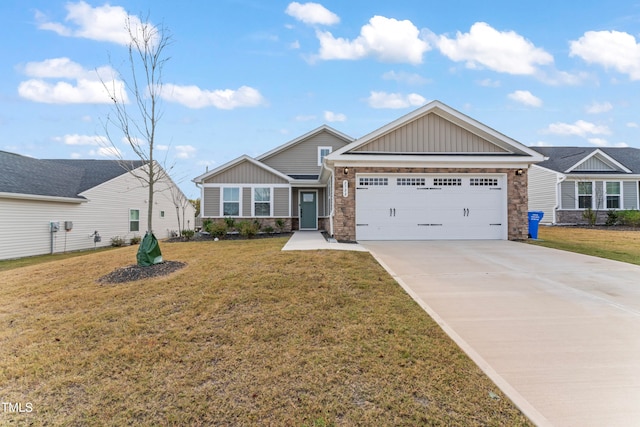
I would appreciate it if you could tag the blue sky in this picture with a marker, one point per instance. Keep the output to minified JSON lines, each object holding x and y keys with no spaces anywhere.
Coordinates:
{"x":245,"y":76}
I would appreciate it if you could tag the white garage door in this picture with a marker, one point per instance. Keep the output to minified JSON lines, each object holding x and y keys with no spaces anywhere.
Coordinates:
{"x":431,"y":207}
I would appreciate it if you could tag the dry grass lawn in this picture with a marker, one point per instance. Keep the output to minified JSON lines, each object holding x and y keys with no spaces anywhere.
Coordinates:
{"x":244,"y":335}
{"x":617,"y":244}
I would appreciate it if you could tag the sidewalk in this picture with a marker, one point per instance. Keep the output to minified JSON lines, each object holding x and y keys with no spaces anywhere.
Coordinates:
{"x":314,"y":240}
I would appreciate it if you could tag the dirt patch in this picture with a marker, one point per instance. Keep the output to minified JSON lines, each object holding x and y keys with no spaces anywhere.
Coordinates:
{"x":135,"y":272}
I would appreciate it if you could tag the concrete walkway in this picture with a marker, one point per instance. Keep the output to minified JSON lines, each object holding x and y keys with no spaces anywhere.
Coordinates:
{"x":558,"y":332}
{"x":314,"y":240}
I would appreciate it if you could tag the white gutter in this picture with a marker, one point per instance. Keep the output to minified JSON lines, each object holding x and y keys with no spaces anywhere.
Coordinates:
{"x":41,"y":198}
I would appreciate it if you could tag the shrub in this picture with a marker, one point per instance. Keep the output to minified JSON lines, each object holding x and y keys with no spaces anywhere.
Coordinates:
{"x":280,"y":224}
{"x":187,"y":234}
{"x":135,"y":240}
{"x":269,"y":229}
{"x":216,"y":229}
{"x":590,"y":215}
{"x":117,"y":241}
{"x":248,"y":229}
{"x":612,"y":218}
{"x":230,"y":222}
{"x":629,"y":218}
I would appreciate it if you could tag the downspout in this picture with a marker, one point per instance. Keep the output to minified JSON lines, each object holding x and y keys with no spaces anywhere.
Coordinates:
{"x":331,"y":197}
{"x":560,"y":179}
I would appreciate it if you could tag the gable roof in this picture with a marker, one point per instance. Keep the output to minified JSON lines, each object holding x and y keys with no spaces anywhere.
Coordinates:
{"x":235,"y":162}
{"x":576,"y":160}
{"x":61,"y":178}
{"x":298,"y":140}
{"x":422,"y":132}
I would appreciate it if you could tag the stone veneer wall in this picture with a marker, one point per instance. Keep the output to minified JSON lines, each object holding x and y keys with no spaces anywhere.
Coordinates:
{"x":576,"y":218}
{"x":344,"y":225}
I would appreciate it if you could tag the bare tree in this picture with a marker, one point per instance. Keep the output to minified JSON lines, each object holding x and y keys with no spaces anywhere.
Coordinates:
{"x":138,"y":121}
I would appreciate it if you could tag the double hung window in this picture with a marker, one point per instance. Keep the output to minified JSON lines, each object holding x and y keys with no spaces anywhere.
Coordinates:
{"x":231,"y":201}
{"x":585,"y":195}
{"x":613,"y":195}
{"x":262,"y":201}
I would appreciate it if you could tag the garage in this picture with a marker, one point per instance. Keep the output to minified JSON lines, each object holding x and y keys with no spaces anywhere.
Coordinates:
{"x":431,"y":207}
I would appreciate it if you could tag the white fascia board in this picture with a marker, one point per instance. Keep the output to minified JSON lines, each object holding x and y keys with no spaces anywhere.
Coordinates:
{"x":430,"y":161}
{"x":201,"y":178}
{"x":38,"y":197}
{"x":602,"y":177}
{"x":606,"y":158}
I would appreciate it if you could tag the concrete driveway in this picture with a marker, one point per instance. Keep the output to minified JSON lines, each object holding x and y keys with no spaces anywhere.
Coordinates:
{"x":558,"y":332}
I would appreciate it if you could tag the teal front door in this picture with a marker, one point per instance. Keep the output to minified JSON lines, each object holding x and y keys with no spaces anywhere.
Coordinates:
{"x":308,"y":210}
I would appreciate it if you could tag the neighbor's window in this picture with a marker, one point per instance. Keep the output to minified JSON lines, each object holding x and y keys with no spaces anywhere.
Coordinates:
{"x":134,"y":220}
{"x":161,"y":214}
{"x":262,"y":201}
{"x":322,"y":153}
{"x":585,"y":195}
{"x":613,"y":195}
{"x":231,"y":201}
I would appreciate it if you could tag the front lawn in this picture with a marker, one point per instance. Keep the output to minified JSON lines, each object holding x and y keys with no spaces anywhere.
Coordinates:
{"x":612,"y":243}
{"x":243,"y":335}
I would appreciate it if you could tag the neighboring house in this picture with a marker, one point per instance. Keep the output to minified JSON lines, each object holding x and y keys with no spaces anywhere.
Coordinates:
{"x":574,"y":179}
{"x":79,"y":197}
{"x":434,"y":173}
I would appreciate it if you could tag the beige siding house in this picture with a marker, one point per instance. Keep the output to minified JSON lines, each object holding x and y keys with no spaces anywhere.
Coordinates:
{"x":432,"y":174}
{"x":80,"y":198}
{"x":572,"y":180}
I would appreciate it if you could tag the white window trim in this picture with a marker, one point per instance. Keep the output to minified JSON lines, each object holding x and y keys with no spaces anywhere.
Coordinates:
{"x":253,"y":201}
{"x":239,"y":187}
{"x":619,"y":195}
{"x":130,"y":220}
{"x":320,"y":158}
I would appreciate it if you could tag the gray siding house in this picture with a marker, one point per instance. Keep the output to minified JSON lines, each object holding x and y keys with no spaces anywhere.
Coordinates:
{"x":79,"y":197}
{"x":574,"y":179}
{"x":432,"y":174}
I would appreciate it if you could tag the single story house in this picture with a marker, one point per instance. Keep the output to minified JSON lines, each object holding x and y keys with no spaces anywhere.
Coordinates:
{"x":574,"y":179}
{"x":434,"y":173}
{"x":50,"y":206}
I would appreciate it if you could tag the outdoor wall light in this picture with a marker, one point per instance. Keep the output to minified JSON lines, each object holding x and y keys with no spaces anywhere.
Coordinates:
{"x":346,"y":171}
{"x":519,"y":172}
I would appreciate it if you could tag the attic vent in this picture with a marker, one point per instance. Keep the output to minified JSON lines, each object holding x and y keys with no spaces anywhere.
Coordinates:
{"x":485,"y":182}
{"x":366,"y":182}
{"x":411,"y":181}
{"x":445,"y":182}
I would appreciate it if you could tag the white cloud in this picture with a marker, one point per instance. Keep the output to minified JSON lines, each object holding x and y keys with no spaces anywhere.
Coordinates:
{"x":386,"y":39}
{"x":185,"y":151}
{"x":632,"y":125}
{"x":161,"y":147}
{"x":541,"y":144}
{"x":227,"y":99}
{"x":312,"y":13}
{"x":504,"y":52}
{"x":109,"y":151}
{"x":102,"y":23}
{"x":611,"y":49}
{"x":76,"y":139}
{"x":85,"y":86}
{"x":600,"y":142}
{"x":295,"y":45}
{"x":303,"y":118}
{"x":330,"y":116}
{"x":489,"y":83}
{"x":525,"y":97}
{"x":599,"y":107}
{"x":404,"y":77}
{"x":579,"y":128}
{"x":395,"y":100}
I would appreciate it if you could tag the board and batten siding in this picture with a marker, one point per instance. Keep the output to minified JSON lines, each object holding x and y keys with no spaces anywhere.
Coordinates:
{"x":430,"y":134}
{"x":245,"y":173}
{"x":630,"y":194}
{"x":542,"y":192}
{"x":24,"y":224}
{"x":302,"y":158}
{"x":594,"y":164}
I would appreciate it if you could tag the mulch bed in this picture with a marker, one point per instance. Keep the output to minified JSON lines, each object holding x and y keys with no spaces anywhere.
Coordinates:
{"x":134,"y":272}
{"x":201,"y":237}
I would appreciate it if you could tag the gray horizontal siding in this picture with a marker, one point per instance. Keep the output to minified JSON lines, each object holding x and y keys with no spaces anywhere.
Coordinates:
{"x":211,"y":202}
{"x":630,"y":194}
{"x":302,"y":158}
{"x":245,"y":173}
{"x":430,"y":134}
{"x":568,"y":198}
{"x":281,"y":202}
